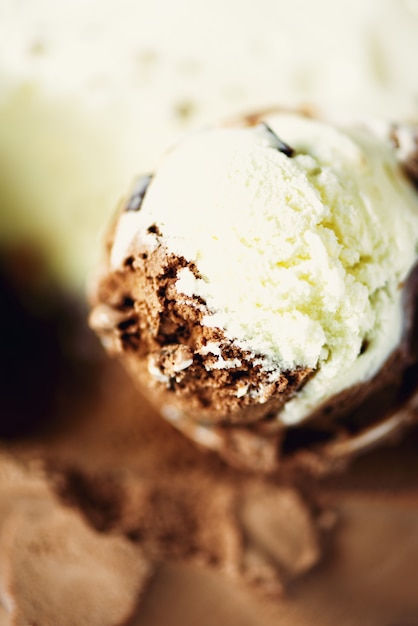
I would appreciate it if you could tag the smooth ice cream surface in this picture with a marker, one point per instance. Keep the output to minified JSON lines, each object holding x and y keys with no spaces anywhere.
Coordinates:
{"x":301,"y":235}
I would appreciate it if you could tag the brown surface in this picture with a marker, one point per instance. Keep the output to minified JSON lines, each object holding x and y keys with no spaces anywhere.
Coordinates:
{"x":54,"y":569}
{"x":370,"y":580}
{"x":369,"y":572}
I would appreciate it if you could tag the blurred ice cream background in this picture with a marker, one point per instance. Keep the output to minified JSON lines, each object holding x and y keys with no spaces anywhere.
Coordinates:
{"x":92,"y":92}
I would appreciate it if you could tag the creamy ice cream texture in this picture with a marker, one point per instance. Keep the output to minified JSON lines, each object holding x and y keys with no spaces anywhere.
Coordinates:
{"x":300,"y":235}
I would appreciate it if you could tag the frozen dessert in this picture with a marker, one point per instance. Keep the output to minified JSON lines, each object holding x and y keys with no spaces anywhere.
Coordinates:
{"x":265,"y":273}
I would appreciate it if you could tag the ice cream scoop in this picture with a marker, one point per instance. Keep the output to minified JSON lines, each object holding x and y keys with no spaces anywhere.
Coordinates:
{"x":263,"y":275}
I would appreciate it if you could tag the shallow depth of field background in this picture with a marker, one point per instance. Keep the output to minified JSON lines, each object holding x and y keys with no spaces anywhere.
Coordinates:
{"x":92,"y":91}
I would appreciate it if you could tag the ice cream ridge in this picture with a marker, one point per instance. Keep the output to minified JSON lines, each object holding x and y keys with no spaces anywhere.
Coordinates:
{"x":261,"y":284}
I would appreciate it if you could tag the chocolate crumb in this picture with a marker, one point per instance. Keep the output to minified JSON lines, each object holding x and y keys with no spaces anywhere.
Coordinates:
{"x":153,"y":229}
{"x":364,"y":346}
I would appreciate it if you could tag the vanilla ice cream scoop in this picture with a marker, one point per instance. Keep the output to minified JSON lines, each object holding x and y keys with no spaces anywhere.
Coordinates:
{"x":263,"y":268}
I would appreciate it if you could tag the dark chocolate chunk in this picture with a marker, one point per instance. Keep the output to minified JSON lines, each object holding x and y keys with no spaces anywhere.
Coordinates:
{"x":410,"y":167}
{"x":154,"y":230}
{"x":279,"y":144}
{"x":409,"y":163}
{"x":135,"y":201}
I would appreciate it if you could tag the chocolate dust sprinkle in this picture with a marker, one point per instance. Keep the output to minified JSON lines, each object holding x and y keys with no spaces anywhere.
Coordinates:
{"x":279,"y":144}
{"x":135,"y":201}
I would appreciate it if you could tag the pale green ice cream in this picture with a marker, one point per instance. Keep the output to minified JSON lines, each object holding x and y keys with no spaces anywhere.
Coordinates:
{"x":301,"y":252}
